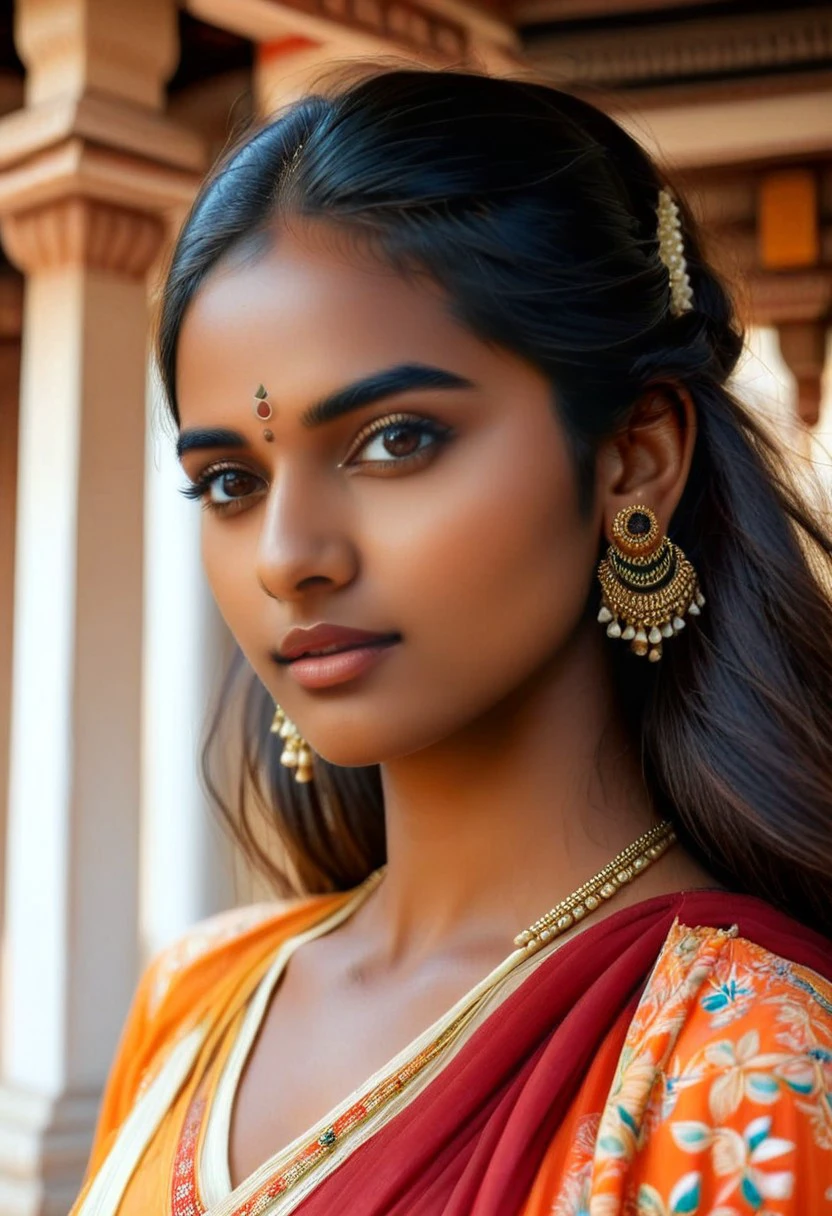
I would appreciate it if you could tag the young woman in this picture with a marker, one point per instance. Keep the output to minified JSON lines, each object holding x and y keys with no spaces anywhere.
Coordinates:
{"x":449,"y":372}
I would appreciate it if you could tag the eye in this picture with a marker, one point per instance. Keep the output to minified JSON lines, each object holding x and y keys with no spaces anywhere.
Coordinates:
{"x":397,"y":440}
{"x":224,"y":488}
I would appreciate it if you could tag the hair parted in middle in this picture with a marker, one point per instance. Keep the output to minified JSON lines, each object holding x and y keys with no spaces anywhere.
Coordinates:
{"x":539,"y":217}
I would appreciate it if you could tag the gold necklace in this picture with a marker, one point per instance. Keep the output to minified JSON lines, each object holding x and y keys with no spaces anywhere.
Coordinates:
{"x":623,"y":868}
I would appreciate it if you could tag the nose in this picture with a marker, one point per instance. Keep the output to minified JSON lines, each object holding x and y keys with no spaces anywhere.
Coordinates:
{"x":305,"y":543}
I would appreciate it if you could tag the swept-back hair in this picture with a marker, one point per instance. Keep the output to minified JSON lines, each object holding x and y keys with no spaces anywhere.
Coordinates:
{"x":536,"y":213}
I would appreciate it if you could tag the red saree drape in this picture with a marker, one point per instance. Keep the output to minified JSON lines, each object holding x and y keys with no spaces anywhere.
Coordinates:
{"x":472,"y":1143}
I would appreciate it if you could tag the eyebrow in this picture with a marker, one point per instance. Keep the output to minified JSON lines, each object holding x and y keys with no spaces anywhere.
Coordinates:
{"x":208,"y":437}
{"x":403,"y":378}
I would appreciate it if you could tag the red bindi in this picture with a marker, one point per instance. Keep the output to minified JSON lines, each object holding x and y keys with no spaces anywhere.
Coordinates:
{"x":262,"y":407}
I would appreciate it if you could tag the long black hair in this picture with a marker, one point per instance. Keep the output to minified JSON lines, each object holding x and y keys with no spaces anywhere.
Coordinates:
{"x":537,"y":214}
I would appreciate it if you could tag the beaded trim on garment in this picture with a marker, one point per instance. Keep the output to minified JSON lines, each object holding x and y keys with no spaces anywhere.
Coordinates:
{"x":185,"y":1197}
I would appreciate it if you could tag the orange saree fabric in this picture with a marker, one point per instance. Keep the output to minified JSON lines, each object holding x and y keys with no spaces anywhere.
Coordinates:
{"x":674,"y":1058}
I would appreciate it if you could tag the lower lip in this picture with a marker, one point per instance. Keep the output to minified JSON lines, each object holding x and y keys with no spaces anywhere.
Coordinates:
{"x":329,"y":669}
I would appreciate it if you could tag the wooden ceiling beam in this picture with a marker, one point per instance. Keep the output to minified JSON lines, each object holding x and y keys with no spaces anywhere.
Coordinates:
{"x":524,"y":12}
{"x":752,"y":129}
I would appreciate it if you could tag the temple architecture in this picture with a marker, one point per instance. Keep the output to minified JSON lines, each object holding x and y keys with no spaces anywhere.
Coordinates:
{"x":110,"y":650}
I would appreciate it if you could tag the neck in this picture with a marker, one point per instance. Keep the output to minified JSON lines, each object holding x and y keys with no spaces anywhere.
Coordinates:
{"x":489,"y":829}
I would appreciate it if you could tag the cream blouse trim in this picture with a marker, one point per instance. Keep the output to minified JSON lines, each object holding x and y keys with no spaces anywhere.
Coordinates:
{"x":213,"y":1171}
{"x":213,"y":1166}
{"x":107,"y":1189}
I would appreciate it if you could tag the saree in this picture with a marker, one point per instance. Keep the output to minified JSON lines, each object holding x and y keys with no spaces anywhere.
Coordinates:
{"x":675,"y":1057}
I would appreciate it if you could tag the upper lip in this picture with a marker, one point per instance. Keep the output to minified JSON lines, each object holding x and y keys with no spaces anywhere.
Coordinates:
{"x":307,"y":641}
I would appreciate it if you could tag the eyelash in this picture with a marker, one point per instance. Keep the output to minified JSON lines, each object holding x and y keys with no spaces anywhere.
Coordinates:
{"x":201,"y":488}
{"x":422,"y":426}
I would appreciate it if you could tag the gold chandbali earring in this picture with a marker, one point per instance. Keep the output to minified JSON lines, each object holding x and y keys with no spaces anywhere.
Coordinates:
{"x":297,"y":753}
{"x":648,"y":584}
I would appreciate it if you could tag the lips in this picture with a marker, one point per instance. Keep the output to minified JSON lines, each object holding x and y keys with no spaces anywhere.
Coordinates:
{"x":328,"y":639}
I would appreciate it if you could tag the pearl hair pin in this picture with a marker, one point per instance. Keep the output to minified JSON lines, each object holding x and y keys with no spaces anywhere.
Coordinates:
{"x":672,"y":254}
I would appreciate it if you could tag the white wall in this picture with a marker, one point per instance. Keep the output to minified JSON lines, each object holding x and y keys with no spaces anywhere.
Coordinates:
{"x":764,"y":380}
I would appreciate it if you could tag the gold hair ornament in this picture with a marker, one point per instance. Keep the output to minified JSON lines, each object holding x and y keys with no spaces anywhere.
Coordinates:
{"x":672,"y":253}
{"x":296,"y":754}
{"x":648,"y":584}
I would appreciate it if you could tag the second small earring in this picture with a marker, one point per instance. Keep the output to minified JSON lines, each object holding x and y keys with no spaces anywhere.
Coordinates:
{"x":648,"y":584}
{"x":296,"y":754}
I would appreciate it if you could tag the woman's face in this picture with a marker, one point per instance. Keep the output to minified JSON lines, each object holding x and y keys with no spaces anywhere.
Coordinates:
{"x":442,"y":514}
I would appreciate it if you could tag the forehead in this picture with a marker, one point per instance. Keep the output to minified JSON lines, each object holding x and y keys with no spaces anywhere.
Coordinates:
{"x":310,"y":302}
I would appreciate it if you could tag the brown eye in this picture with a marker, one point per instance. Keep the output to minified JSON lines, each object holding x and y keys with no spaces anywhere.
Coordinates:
{"x":395,"y":441}
{"x":224,"y":488}
{"x":231,"y":484}
{"x":401,"y":440}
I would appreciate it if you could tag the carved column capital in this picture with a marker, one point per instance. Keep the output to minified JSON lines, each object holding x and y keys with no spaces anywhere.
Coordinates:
{"x":91,"y":173}
{"x":114,"y":48}
{"x":82,"y":232}
{"x":80,"y":184}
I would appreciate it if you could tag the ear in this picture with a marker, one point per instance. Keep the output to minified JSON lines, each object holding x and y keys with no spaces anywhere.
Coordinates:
{"x":649,"y":459}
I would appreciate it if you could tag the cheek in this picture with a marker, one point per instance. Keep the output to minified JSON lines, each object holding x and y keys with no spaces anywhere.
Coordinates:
{"x":482,"y":563}
{"x":493,"y":565}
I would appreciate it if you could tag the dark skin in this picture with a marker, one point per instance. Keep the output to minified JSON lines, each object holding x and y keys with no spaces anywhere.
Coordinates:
{"x":508,"y":779}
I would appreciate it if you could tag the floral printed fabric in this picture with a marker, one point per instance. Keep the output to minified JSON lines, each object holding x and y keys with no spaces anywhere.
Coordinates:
{"x":722,"y":1099}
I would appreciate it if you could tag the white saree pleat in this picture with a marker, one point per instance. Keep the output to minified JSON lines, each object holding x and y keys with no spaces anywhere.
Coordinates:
{"x":107,"y":1190}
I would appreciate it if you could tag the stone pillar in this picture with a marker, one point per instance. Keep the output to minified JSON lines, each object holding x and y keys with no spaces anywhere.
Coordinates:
{"x":790,"y":241}
{"x":187,"y":861}
{"x":71,"y":889}
{"x":89,"y":173}
{"x":803,"y":347}
{"x":10,"y":325}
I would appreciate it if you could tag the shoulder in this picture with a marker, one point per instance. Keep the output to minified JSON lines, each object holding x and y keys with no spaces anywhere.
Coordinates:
{"x":733,"y":1045}
{"x":189,"y":984}
{"x":755,"y":1033}
{"x":221,"y":932}
{"x":715,"y":979}
{"x":165,"y":1012}
{"x":212,"y":963}
{"x":751,"y":989}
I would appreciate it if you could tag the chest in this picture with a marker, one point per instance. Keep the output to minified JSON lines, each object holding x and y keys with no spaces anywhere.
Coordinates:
{"x":319,"y":1043}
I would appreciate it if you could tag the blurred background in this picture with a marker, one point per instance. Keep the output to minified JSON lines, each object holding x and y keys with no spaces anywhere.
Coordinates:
{"x":110,"y":649}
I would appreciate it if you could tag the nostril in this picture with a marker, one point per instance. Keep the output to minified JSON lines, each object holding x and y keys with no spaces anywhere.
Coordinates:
{"x":314,"y":580}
